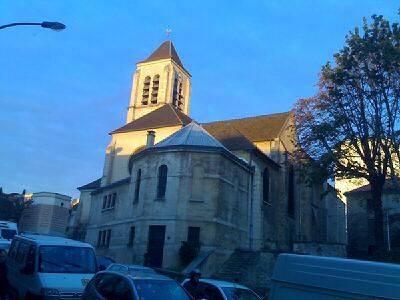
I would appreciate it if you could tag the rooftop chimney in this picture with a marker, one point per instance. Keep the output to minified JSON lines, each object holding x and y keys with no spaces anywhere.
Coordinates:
{"x":151,"y":135}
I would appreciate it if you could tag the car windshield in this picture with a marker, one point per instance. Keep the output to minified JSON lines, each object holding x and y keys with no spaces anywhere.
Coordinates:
{"x":160,"y":289}
{"x":65,"y":259}
{"x":8,"y":234}
{"x":239,"y":294}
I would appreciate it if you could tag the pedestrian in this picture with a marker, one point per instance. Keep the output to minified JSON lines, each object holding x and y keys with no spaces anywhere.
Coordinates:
{"x":193,"y":285}
{"x":4,"y":287}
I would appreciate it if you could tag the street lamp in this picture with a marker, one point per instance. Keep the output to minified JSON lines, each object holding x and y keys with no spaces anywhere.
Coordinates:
{"x":51,"y":25}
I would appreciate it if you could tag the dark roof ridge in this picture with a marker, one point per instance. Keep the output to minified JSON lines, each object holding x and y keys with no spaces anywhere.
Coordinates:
{"x":244,"y":118}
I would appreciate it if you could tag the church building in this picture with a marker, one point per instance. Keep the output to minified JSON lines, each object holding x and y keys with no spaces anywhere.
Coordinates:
{"x":174,"y":188}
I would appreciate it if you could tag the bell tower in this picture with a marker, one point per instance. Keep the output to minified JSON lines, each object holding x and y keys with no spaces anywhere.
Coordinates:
{"x":160,"y":79}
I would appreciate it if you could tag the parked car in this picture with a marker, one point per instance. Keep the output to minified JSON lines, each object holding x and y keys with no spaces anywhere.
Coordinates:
{"x":103,"y":262}
{"x":223,"y":290}
{"x":138,"y":285}
{"x":47,"y":267}
{"x":130,"y":269}
{"x":7,"y":231}
{"x":303,"y":277}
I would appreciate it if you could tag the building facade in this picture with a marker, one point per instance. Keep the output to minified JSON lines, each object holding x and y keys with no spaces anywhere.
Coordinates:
{"x":47,"y":213}
{"x":171,"y":185}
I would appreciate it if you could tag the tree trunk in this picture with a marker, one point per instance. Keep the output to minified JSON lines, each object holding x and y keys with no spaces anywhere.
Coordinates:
{"x":376,"y":192}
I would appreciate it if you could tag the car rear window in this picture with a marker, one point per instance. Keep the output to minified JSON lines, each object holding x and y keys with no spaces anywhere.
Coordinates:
{"x":239,"y":294}
{"x":160,"y":289}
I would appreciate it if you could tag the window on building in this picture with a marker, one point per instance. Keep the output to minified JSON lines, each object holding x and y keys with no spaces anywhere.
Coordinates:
{"x":132,"y":233}
{"x":177,"y":97}
{"x":108,"y":238}
{"x":162,"y":181}
{"x":113,"y":199}
{"x":291,"y":191}
{"x":265,"y":177}
{"x":146,"y":90}
{"x":197,"y":183}
{"x":109,"y":201}
{"x":103,"y":239}
{"x":104,"y":201}
{"x":137,"y":185}
{"x":193,"y":236}
{"x":154,"y":92}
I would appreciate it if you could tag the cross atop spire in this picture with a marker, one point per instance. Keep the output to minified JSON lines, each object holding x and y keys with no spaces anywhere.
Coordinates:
{"x":168,"y":32}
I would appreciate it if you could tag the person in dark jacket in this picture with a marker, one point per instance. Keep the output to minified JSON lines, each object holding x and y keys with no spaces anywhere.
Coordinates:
{"x":4,"y":288}
{"x":193,"y":285}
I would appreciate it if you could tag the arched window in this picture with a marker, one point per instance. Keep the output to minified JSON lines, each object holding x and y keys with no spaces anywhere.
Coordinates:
{"x":154,"y":92}
{"x":197,"y":183}
{"x":162,"y":181}
{"x":137,"y":185}
{"x":266,"y":186}
{"x":291,"y":191}
{"x":146,"y":90}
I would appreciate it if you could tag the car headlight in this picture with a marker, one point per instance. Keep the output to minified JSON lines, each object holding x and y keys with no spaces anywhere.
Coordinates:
{"x":50,"y":292}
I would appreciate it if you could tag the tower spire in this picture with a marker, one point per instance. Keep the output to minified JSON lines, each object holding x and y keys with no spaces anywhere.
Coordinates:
{"x":168,"y":32}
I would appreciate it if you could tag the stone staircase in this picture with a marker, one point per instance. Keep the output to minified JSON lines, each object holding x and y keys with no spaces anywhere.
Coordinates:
{"x":250,"y":268}
{"x":237,"y":265}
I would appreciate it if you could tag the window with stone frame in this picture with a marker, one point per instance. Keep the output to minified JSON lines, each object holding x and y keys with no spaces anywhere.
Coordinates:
{"x":266,"y":186}
{"x":146,"y":90}
{"x":162,"y":181}
{"x":154,"y":91}
{"x":137,"y":185}
{"x":103,"y":238}
{"x":132,"y":233}
{"x":109,"y":201}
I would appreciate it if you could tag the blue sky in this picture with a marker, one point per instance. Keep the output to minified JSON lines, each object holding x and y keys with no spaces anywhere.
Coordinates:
{"x":62,"y":92}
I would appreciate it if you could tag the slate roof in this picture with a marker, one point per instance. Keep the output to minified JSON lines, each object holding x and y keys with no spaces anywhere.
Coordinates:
{"x":164,"y":116}
{"x":389,"y":187}
{"x":164,"y":51}
{"x":91,"y":185}
{"x":255,"y":129}
{"x":229,"y":136}
{"x":190,"y":135}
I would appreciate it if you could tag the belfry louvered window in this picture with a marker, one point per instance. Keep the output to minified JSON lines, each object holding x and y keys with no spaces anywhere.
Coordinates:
{"x":146,"y":90}
{"x":177,"y":97}
{"x":162,"y":181}
{"x":154,"y":92}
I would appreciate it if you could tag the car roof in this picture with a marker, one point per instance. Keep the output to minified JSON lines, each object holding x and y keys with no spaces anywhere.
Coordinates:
{"x":48,"y":240}
{"x":223,"y":284}
{"x":135,"y":267}
{"x":139,"y":275}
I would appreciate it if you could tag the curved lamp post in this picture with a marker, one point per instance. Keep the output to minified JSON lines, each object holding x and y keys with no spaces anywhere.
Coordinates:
{"x":51,"y":25}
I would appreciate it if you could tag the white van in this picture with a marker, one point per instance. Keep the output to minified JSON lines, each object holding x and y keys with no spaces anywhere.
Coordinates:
{"x":7,"y":231}
{"x":305,"y":277}
{"x":48,"y":267}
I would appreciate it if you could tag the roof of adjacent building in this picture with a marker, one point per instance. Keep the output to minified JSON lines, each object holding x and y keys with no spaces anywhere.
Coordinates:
{"x":390,"y":186}
{"x":165,"y":116}
{"x":190,"y":135}
{"x":91,"y":185}
{"x":255,"y":129}
{"x":164,"y":51}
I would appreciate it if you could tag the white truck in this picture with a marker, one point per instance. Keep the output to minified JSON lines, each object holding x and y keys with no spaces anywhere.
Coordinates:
{"x":306,"y":277}
{"x":7,"y":231}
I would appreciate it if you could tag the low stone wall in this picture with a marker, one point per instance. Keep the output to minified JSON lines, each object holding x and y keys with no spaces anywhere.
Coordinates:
{"x":338,"y":250}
